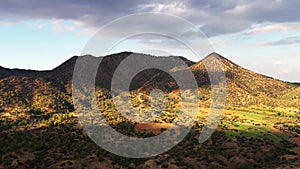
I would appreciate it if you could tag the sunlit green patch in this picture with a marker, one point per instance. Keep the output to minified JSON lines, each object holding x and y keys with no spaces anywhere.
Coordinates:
{"x":252,"y":115}
{"x":238,"y":129}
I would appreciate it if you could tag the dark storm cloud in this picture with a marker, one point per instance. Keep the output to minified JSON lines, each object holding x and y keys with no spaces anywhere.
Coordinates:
{"x":92,"y":12}
{"x":231,"y":16}
{"x":215,"y":16}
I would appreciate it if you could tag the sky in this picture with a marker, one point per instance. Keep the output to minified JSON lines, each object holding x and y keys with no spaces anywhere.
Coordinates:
{"x":263,"y":36}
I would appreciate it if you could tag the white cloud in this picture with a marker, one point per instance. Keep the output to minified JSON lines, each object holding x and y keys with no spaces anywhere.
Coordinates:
{"x":284,"y":41}
{"x":175,"y":8}
{"x":60,"y":26}
{"x":6,"y":23}
{"x":278,"y":62}
{"x":274,"y":27}
{"x":281,"y":70}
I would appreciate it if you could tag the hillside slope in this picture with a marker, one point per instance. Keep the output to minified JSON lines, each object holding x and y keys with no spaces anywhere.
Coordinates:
{"x":244,"y":87}
{"x":40,"y":128}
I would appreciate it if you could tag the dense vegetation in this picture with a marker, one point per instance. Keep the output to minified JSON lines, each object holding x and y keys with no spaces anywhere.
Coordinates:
{"x":39,"y":127}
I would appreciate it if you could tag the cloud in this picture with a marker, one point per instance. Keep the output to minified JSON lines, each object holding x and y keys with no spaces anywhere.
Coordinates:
{"x":225,"y":17}
{"x":59,"y":26}
{"x":274,"y":27}
{"x":6,"y":23}
{"x":175,"y":8}
{"x":278,"y":62}
{"x":90,"y":13}
{"x":285,"y":41}
{"x":215,"y":16}
{"x":283,"y":70}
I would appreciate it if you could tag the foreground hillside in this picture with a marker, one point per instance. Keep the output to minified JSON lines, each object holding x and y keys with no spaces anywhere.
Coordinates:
{"x":39,"y":128}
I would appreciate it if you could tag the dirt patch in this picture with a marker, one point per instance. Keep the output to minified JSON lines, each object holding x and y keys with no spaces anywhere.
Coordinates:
{"x":155,"y":128}
{"x":296,"y":150}
{"x":297,"y":141}
{"x":288,"y":157}
{"x":230,"y":145}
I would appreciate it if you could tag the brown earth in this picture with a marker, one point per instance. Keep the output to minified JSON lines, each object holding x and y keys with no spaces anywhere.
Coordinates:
{"x":155,"y":128}
{"x":297,"y":141}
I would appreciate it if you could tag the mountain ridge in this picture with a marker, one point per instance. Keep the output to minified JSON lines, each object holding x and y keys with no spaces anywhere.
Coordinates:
{"x":71,"y":62}
{"x":243,"y":86}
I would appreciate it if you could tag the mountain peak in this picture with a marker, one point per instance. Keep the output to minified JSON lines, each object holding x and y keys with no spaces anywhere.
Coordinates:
{"x":219,"y":56}
{"x":214,"y":54}
{"x":227,"y":64}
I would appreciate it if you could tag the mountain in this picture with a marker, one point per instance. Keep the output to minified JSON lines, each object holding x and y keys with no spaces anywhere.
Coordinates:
{"x":247,"y":87}
{"x":64,"y":72}
{"x":39,"y":126}
{"x":20,"y":88}
{"x":4,"y":72}
{"x":244,"y":87}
